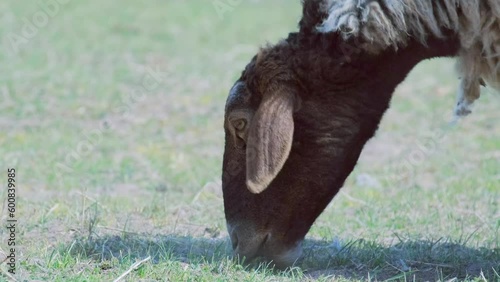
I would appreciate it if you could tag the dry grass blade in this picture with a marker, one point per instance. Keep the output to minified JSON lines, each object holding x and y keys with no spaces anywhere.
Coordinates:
{"x":132,"y":268}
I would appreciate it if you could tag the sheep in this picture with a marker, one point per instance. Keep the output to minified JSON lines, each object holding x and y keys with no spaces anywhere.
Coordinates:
{"x":298,"y":117}
{"x":391,"y":23}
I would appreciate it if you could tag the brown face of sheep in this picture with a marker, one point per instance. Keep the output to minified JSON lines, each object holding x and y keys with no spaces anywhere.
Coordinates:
{"x":293,"y":137}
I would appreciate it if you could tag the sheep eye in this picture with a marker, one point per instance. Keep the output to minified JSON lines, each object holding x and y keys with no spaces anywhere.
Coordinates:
{"x":239,"y":124}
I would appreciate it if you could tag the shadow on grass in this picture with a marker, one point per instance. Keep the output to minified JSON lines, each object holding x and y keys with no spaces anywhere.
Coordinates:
{"x":360,"y":259}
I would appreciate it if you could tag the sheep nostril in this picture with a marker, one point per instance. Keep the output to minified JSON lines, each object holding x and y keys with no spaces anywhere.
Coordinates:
{"x":265,"y":240}
{"x":234,"y":241}
{"x":262,"y":247}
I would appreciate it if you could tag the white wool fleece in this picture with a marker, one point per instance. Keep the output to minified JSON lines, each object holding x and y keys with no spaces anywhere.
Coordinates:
{"x":390,"y":23}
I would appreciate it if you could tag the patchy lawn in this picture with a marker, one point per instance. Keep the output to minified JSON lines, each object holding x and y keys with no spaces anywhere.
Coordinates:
{"x":111,"y":113}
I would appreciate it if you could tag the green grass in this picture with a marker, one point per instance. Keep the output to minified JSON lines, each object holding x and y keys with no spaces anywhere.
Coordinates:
{"x":148,"y":183}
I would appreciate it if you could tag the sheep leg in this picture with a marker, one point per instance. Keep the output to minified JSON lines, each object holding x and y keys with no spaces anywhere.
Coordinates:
{"x":468,"y":92}
{"x":470,"y":85}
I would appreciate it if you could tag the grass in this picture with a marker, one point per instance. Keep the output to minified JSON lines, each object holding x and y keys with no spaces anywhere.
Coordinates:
{"x":112,"y":115}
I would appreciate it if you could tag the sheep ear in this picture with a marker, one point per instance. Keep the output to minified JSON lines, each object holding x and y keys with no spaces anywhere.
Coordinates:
{"x":270,"y":139}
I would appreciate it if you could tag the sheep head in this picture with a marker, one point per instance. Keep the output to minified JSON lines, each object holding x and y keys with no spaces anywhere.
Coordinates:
{"x":295,"y":123}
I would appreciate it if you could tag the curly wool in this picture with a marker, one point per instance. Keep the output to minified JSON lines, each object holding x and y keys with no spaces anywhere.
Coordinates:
{"x":391,"y":23}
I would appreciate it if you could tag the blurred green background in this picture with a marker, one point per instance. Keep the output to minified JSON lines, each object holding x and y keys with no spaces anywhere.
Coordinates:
{"x":111,"y":112}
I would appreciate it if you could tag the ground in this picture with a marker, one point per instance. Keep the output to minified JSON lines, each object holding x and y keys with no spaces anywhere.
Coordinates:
{"x":111,"y":114}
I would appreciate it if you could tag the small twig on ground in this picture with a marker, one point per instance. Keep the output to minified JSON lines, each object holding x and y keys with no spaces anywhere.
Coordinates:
{"x":132,"y":268}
